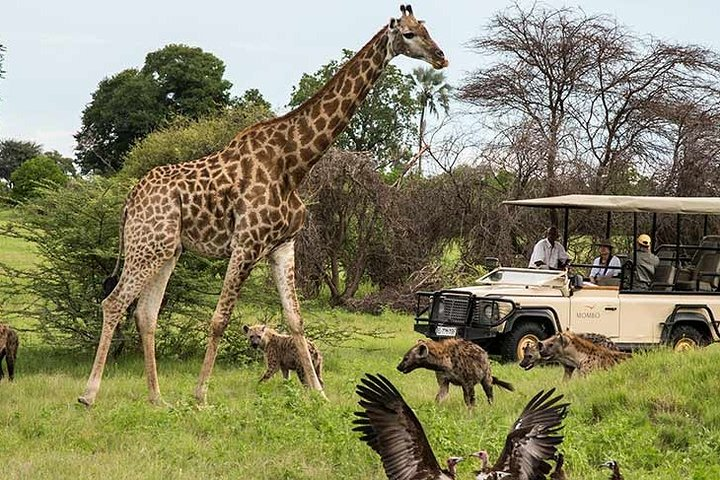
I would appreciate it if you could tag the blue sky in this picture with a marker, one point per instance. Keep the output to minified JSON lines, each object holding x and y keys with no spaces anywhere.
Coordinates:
{"x":57,"y":52}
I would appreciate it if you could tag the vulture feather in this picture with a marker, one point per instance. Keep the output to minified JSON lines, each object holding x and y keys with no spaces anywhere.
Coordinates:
{"x":532,"y":441}
{"x":389,"y":426}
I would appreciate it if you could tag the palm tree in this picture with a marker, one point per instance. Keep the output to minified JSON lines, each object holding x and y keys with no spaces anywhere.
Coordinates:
{"x":432,"y":91}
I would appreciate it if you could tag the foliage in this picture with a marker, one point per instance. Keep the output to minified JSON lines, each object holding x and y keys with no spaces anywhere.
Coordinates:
{"x":124,"y":108}
{"x":28,"y":177}
{"x":13,"y":153}
{"x":383,"y":123}
{"x":176,"y":80}
{"x":432,"y":91}
{"x":190,"y":80}
{"x":187,"y":140}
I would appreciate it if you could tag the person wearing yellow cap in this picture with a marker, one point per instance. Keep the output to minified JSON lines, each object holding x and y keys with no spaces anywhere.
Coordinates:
{"x":645,"y":263}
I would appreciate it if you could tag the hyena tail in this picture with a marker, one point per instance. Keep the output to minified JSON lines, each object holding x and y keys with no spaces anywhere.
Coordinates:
{"x":503,"y":384}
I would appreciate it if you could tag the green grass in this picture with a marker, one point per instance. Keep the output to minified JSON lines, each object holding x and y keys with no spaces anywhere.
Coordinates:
{"x":657,"y":414}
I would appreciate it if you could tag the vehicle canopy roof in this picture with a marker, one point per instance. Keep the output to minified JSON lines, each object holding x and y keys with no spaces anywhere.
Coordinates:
{"x":627,"y":203}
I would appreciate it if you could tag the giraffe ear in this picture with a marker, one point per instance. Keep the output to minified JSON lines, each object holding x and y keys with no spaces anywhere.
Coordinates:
{"x":393,"y":23}
{"x":245,"y":328}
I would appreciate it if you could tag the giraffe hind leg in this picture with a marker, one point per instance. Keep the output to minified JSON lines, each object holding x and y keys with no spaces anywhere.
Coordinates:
{"x":146,"y":314}
{"x":131,"y":283}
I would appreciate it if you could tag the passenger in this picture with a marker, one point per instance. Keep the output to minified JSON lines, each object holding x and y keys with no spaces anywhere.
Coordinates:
{"x":548,"y":253}
{"x":645,"y":264}
{"x":606,"y":259}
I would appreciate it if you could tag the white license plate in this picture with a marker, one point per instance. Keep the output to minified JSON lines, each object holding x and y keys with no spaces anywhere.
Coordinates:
{"x":441,"y":331}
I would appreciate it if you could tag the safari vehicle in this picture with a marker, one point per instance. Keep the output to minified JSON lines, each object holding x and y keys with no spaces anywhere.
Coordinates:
{"x":510,"y":307}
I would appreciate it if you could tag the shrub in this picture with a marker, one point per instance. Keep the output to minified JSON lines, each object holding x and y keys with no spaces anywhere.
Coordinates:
{"x":33,"y":173}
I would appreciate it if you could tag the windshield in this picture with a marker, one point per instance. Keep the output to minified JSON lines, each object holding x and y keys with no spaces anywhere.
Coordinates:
{"x":508,"y":276}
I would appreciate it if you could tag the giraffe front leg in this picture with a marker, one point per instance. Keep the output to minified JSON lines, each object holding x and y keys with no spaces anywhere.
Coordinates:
{"x":282,"y":260}
{"x":238,"y":269}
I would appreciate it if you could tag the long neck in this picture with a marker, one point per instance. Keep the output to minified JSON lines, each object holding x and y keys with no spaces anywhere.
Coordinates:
{"x":323,"y":117}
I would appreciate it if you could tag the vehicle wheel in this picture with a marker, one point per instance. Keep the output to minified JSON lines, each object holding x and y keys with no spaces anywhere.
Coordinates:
{"x":521,"y":334}
{"x":686,"y":337}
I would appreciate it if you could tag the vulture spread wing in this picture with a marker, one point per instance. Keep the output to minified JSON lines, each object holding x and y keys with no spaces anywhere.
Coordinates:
{"x":534,"y":438}
{"x":389,"y":426}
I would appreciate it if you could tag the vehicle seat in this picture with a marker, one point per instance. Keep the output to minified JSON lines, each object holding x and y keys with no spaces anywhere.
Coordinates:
{"x":664,"y":277}
{"x":705,"y":276}
{"x":689,"y":273}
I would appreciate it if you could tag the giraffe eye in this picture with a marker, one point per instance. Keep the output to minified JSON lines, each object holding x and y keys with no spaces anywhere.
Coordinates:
{"x":409,"y":35}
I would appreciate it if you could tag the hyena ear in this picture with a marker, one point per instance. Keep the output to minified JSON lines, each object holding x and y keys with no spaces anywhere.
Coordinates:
{"x":245,"y":328}
{"x":420,"y":340}
{"x":564,"y":340}
{"x":423,"y":350}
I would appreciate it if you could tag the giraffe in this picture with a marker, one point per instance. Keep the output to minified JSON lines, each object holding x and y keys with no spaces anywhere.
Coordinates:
{"x":241,"y":203}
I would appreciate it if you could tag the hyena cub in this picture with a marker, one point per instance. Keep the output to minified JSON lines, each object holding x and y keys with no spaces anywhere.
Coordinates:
{"x":576,"y":353}
{"x":454,"y":361}
{"x":280,"y":352}
{"x":8,"y":350}
{"x":531,"y":352}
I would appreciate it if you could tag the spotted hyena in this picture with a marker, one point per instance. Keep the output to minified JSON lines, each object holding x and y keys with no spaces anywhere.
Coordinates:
{"x":8,"y":349}
{"x":576,"y":353}
{"x":454,"y":361}
{"x":280,"y":352}
{"x":531,"y":354}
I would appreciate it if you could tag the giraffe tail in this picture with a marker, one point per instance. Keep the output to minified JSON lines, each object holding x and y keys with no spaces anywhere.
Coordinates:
{"x":111,"y":282}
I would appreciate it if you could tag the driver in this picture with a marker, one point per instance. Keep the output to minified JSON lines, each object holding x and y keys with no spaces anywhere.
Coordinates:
{"x":549,"y":254}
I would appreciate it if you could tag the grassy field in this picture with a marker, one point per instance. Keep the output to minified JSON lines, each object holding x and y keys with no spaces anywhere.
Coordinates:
{"x":658,"y":415}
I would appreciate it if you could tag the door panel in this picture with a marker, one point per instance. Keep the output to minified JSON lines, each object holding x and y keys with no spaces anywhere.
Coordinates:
{"x":595,"y":313}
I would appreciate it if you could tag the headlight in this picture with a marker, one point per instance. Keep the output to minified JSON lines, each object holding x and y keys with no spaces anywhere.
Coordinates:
{"x":441,"y":307}
{"x":489,"y":311}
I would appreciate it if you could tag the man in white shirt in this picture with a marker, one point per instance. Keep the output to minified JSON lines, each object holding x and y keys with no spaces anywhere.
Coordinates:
{"x":548,"y":253}
{"x":606,"y":259}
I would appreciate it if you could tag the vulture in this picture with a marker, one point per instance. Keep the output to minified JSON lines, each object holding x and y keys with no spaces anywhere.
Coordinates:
{"x":532,"y":441}
{"x":389,"y":426}
{"x":613,"y":465}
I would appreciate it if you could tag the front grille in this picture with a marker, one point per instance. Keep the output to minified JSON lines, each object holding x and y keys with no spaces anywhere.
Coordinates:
{"x":452,"y":310}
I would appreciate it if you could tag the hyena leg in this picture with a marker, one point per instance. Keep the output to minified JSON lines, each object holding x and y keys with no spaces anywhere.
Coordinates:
{"x":469,"y":395}
{"x":568,"y":372}
{"x":271,"y":369}
{"x":285,"y":373}
{"x":444,"y":389}
{"x":11,"y":365}
{"x":487,"y":386}
{"x":2,"y":373}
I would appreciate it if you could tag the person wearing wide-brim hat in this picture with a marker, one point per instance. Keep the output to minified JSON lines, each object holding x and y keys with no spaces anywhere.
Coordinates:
{"x":602,"y":264}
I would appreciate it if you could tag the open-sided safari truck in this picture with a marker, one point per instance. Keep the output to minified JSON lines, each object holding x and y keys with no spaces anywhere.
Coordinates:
{"x":509,"y":307}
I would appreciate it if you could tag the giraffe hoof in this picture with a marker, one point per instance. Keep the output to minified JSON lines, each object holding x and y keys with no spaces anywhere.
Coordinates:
{"x":85,"y":401}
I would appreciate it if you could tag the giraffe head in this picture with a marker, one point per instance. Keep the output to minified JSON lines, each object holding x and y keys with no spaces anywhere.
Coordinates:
{"x":408,"y":36}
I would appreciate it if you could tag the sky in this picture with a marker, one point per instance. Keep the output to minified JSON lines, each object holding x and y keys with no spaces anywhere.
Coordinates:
{"x":58,"y":52}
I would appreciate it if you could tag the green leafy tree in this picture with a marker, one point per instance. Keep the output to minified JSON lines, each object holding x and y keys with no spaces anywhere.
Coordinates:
{"x":14,"y":153}
{"x":28,"y":177}
{"x":383,"y":122}
{"x":432,"y":92}
{"x":190,"y":80}
{"x":175,"y":81}
{"x":124,"y":108}
{"x":252,"y":98}
{"x":66,"y":164}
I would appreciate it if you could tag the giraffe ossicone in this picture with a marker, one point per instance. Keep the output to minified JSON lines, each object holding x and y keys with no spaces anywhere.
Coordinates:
{"x":241,"y":203}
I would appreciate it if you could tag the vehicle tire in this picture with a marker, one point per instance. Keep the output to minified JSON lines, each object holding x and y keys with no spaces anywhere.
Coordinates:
{"x":686,"y":337}
{"x":522,"y":333}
